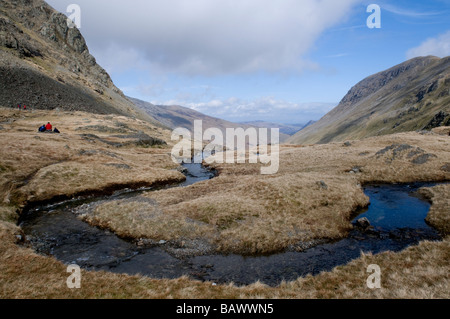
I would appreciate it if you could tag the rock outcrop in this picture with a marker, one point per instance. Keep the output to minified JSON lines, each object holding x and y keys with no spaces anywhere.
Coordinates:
{"x":45,"y":63}
{"x":440,"y":119}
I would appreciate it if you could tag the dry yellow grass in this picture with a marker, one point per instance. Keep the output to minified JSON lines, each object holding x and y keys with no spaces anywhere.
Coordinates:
{"x":313,"y":196}
{"x":142,"y":219}
{"x":40,"y":166}
{"x":240,"y":217}
{"x":239,"y":211}
{"x":439,"y":215}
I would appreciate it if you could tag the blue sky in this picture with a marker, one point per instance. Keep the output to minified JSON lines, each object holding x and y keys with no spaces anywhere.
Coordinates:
{"x":286,"y":61}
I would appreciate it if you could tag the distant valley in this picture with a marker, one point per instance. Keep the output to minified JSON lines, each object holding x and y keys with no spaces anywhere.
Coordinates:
{"x":173,"y":116}
{"x":288,"y":129}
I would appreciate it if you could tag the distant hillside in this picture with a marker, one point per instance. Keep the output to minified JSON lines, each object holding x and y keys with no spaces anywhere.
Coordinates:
{"x":174,"y":116}
{"x":414,"y":95}
{"x":44,"y":64}
{"x":288,"y":129}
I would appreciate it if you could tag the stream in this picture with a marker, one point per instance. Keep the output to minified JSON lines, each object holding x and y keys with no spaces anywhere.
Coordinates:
{"x":397,"y":217}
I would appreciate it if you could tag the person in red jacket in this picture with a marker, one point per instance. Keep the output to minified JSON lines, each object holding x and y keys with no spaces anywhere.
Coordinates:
{"x":48,"y":127}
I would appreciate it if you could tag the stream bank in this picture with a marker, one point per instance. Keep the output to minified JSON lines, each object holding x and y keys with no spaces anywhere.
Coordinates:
{"x":396,"y":216}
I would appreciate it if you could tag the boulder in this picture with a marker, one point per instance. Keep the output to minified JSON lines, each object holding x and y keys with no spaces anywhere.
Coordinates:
{"x":363,"y":223}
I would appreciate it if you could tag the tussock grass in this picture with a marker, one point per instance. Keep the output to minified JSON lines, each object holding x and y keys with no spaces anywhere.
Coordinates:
{"x":142,"y":219}
{"x":40,"y":166}
{"x":314,"y":195}
{"x":8,"y":214}
{"x":254,"y":215}
{"x":439,"y":215}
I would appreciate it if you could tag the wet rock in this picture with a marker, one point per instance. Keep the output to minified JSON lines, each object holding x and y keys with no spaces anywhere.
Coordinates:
{"x":363,"y":223}
{"x":372,"y":232}
{"x":182,"y":170}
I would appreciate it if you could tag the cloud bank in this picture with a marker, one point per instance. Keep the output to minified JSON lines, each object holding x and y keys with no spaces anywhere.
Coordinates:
{"x":207,"y":37}
{"x":438,"y":46}
{"x":264,"y":108}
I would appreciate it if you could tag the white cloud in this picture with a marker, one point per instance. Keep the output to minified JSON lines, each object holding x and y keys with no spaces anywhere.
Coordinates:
{"x":263,"y":108}
{"x":206,"y":37}
{"x":438,"y":46}
{"x":408,"y":12}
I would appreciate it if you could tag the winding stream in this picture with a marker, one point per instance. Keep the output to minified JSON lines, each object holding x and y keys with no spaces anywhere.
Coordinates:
{"x":397,"y":217}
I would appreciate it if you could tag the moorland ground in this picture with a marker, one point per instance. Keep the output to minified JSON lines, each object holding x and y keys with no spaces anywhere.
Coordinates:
{"x":312,"y":197}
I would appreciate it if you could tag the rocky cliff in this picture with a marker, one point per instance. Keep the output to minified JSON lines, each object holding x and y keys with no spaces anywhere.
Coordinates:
{"x":46,"y":64}
{"x":414,"y":95}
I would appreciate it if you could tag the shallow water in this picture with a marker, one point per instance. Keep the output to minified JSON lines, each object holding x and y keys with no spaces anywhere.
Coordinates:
{"x":397,"y":217}
{"x":392,"y":206}
{"x":196,"y":173}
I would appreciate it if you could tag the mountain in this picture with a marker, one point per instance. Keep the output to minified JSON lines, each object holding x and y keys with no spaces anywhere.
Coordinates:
{"x":307,"y":124}
{"x":45,"y":64}
{"x":288,"y":129}
{"x":411,"y":96}
{"x":174,"y":116}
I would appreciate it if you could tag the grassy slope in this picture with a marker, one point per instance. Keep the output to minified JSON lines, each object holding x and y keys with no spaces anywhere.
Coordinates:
{"x":392,"y":108}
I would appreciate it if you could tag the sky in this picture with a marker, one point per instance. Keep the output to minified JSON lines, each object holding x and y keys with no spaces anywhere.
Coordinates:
{"x":284,"y":61}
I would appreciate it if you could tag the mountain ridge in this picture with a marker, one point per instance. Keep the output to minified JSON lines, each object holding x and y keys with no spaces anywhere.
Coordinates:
{"x":173,"y":116}
{"x":403,"y":98}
